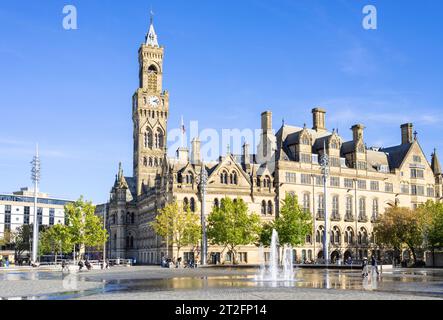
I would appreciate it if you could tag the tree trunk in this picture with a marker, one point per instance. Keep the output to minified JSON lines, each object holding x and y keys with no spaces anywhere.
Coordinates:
{"x":81,"y":251}
{"x":414,"y":255}
{"x":433,"y":256}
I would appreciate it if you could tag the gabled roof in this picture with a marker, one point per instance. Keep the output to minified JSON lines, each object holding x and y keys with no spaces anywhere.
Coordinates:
{"x":397,"y":154}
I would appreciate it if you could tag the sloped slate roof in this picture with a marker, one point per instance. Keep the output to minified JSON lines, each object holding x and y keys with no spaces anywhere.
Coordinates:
{"x":397,"y":154}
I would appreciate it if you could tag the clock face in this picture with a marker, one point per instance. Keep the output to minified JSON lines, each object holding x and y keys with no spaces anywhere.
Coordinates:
{"x":154,"y":101}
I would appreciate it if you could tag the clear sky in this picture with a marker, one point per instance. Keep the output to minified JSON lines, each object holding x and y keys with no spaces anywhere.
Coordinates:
{"x":225,"y":63}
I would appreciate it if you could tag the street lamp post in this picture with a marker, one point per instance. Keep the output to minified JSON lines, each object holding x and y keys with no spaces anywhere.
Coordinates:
{"x":204,"y":242}
{"x":324,"y":163}
{"x":35,"y":176}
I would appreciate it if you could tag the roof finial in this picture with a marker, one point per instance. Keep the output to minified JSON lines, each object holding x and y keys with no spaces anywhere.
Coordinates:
{"x":415,"y":135}
{"x":151,"y":15}
{"x":120,"y":170}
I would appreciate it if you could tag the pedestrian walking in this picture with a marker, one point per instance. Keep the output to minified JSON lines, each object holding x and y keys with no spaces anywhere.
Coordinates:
{"x":374,"y":266}
{"x":364,"y":272}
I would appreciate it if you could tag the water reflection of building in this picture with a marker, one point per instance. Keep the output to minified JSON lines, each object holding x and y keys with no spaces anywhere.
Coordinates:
{"x":364,"y":181}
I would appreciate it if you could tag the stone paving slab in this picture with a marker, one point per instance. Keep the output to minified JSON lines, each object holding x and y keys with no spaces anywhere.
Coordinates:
{"x":32,"y":288}
{"x":255,"y":294}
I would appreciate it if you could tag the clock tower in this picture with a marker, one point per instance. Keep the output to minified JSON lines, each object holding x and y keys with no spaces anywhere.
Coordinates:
{"x":150,"y":107}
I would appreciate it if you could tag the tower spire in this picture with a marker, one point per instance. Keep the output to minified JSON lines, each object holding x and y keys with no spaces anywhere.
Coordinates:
{"x":435,"y":164}
{"x":151,"y":37}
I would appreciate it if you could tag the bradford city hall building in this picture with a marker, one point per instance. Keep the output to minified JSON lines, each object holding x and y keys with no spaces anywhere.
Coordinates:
{"x":362,"y":182}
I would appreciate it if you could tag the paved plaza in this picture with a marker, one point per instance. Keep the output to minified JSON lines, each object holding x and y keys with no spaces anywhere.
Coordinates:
{"x":131,"y":283}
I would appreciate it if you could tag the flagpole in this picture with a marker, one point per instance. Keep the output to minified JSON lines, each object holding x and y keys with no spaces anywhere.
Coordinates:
{"x":182,"y":128}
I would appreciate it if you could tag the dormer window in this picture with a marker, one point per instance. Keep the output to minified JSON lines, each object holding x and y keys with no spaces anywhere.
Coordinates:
{"x":305,"y":141}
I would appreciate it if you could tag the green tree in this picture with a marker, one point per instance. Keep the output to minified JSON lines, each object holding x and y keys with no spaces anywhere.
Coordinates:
{"x":293,"y":224}
{"x":84,"y":227}
{"x":432,"y":214}
{"x":21,"y":239}
{"x":230,"y":225}
{"x":56,"y":239}
{"x":6,"y":240}
{"x":400,"y":226}
{"x":179,"y":226}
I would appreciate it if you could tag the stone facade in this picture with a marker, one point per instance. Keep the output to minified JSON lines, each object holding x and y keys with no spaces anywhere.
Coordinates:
{"x":363,"y":181}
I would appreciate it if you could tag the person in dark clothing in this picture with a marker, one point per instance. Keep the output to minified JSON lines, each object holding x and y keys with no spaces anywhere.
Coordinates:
{"x":80,"y":265}
{"x":374,"y":265}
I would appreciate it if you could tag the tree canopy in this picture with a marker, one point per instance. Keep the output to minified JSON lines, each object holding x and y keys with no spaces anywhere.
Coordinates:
{"x":400,"y":226}
{"x":293,"y":224}
{"x":432,"y":214}
{"x":231,"y":225}
{"x":83,"y":226}
{"x":56,"y":239}
{"x":178,"y":225}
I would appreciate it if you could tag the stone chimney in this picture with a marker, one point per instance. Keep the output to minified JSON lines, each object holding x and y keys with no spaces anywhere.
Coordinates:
{"x":195,"y":152}
{"x":407,"y":133}
{"x":319,"y":119}
{"x":357,"y":132}
{"x":246,"y":158}
{"x":266,"y":122}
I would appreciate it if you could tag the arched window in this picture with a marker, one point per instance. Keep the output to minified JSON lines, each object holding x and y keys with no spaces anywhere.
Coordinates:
{"x":150,"y":162}
{"x":362,"y":208}
{"x":155,"y":162}
{"x":235,"y":179}
{"x":148,"y":138}
{"x":145,"y":161}
{"x":152,"y":68}
{"x":159,"y":139}
{"x":263,"y":207}
{"x":308,"y":238}
{"x":305,"y":140}
{"x":318,"y":236}
{"x":152,"y":78}
{"x":321,"y":206}
{"x":306,"y":202}
{"x":224,"y":177}
{"x":335,"y":207}
{"x":132,"y":218}
{"x":349,"y":209}
{"x":185,"y":204}
{"x":270,"y":207}
{"x":349,"y":234}
{"x":231,"y":180}
{"x":192,"y":205}
{"x":334,"y":145}
{"x":267,"y":182}
{"x":189,"y":178}
{"x":364,"y":236}
{"x":336,"y":235}
{"x":216,"y":203}
{"x":258,"y":182}
{"x":374,"y":209}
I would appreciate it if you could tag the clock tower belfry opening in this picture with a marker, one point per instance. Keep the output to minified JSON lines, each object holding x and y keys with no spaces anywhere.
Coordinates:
{"x":150,"y":113}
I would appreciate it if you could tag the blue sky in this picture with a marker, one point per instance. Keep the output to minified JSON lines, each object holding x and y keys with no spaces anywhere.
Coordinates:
{"x":225,"y":62}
